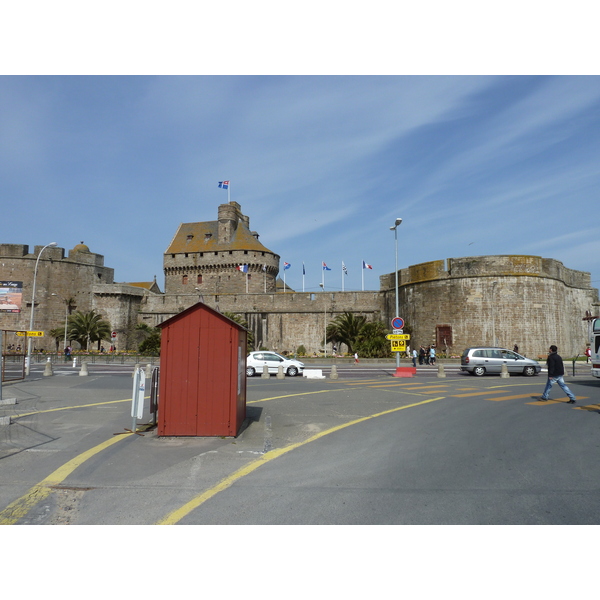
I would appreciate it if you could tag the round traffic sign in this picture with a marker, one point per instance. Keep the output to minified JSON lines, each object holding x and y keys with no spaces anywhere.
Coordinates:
{"x":397,"y":323}
{"x":113,"y":334}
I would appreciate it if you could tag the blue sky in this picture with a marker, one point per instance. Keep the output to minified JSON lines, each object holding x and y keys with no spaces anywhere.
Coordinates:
{"x":322,"y":165}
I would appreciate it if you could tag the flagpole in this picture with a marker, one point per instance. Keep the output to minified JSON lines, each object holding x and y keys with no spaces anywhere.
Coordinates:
{"x":246,"y":282}
{"x":323,"y":276}
{"x":303,"y":273}
{"x":284,"y":280}
{"x":363,"y":276}
{"x":342,"y":276}
{"x":229,"y":193}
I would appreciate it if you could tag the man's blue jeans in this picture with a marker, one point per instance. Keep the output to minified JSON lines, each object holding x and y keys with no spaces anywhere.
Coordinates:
{"x":561,"y":383}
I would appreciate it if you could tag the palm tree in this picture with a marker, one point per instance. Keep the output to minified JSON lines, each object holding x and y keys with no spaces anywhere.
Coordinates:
{"x":241,"y":321}
{"x":371,"y":341}
{"x":88,"y":327}
{"x":345,"y":328}
{"x":150,"y":346}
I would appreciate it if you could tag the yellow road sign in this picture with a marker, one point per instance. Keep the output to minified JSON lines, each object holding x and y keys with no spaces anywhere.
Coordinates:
{"x":398,"y":345}
{"x":398,"y":336}
{"x":30,"y":333}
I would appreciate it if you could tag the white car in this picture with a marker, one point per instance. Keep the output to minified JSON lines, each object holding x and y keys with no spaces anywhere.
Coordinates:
{"x":257,"y":360}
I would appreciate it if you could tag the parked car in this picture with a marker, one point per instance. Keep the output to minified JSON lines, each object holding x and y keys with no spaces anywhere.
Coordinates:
{"x":482,"y":360}
{"x":256,"y":361}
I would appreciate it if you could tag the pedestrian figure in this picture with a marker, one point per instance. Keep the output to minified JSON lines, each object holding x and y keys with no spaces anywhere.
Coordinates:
{"x":356,"y":358}
{"x":588,"y":354}
{"x":421,"y":355}
{"x":414,"y":357}
{"x":556,"y":370}
{"x":432,"y":356}
{"x":67,"y":353}
{"x":516,"y":348}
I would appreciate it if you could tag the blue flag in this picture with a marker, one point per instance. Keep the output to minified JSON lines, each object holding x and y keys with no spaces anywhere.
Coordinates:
{"x":325,"y":267}
{"x":224,"y":184}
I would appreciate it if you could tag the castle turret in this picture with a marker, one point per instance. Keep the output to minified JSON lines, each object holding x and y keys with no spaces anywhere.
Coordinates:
{"x":205,"y":258}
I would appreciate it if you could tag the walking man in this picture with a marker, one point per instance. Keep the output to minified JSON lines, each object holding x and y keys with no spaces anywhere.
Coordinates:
{"x":556,"y":370}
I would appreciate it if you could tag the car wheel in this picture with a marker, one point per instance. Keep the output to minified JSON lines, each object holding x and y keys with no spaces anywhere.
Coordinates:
{"x":250,"y":371}
{"x":292,"y":371}
{"x":529,"y":371}
{"x":479,"y":371}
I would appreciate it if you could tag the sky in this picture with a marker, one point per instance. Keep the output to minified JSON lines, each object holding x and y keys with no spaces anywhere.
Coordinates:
{"x":322,"y":165}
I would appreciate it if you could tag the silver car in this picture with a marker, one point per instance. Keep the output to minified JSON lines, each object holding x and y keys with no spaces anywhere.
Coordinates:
{"x":257,"y":360}
{"x":482,"y":360}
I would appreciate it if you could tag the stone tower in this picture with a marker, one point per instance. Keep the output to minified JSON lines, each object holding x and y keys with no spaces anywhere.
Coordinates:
{"x":210,"y":257}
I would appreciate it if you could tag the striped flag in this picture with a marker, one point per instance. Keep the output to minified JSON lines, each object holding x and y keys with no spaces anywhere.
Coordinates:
{"x":242,"y":268}
{"x":366,"y":266}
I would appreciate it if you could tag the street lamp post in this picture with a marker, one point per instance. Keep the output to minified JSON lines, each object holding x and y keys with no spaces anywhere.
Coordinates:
{"x":394,"y":228}
{"x":37,"y":262}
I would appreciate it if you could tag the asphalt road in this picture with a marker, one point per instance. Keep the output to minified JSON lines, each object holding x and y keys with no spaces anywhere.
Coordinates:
{"x":366,"y":448}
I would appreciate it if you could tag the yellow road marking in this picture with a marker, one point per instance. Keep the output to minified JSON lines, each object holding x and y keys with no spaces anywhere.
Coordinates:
{"x":39,"y":412}
{"x":178,"y":514}
{"x":502,"y":398}
{"x":20,"y":507}
{"x":480,"y":393}
{"x":557,"y":401}
{"x":291,"y":396}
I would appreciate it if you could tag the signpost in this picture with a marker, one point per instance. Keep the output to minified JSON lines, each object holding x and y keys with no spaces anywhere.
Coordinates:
{"x":30,"y":333}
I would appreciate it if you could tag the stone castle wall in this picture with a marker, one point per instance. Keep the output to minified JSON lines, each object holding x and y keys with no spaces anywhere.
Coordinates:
{"x":59,"y":278}
{"x":489,"y":300}
{"x":281,"y":321}
{"x":453,"y":303}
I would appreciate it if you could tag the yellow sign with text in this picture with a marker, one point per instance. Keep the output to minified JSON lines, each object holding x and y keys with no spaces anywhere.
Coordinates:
{"x":398,"y":345}
{"x":30,"y":333}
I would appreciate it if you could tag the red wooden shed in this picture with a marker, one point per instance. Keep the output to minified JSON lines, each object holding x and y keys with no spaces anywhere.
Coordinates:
{"x":202,"y":389}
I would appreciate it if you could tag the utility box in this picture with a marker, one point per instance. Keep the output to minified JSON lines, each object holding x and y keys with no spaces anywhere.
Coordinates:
{"x":202,"y":389}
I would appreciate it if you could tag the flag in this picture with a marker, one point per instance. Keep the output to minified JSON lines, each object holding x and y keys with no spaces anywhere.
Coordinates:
{"x":303,"y":269}
{"x":265,"y":268}
{"x":242,"y":268}
{"x":286,"y":266}
{"x":224,"y":184}
{"x":344,"y":268}
{"x":325,"y":267}
{"x":366,"y":266}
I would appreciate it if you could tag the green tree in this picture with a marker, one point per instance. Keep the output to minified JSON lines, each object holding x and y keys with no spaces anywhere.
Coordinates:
{"x":345,"y":329}
{"x":86,"y":328}
{"x":371,"y":341}
{"x":150,"y":346}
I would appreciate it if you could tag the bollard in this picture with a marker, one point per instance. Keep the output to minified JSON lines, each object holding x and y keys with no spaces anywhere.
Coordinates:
{"x":48,"y":369}
{"x":334,"y":373}
{"x":441,"y":372}
{"x":135,"y":368}
{"x":74,"y":362}
{"x":265,"y":373}
{"x":280,"y":374}
{"x":504,"y":372}
{"x":84,"y":369}
{"x":148,"y":370}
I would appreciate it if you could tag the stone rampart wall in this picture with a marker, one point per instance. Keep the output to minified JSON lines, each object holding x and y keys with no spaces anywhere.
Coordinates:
{"x":489,"y":300}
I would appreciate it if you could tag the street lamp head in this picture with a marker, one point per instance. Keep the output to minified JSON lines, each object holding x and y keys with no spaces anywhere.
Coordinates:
{"x":396,"y":223}
{"x":52,"y":244}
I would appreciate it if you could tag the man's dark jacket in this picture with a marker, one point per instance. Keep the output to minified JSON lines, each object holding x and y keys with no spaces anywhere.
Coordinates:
{"x":555,"y":365}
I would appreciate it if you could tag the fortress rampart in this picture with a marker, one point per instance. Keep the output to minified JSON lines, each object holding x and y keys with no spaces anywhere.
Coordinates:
{"x":494,"y":300}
